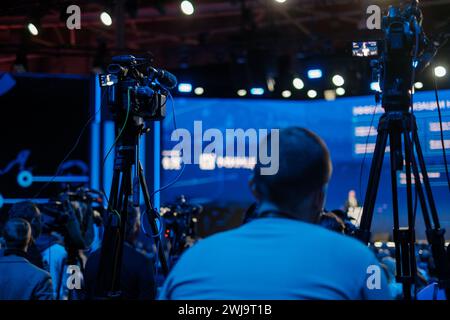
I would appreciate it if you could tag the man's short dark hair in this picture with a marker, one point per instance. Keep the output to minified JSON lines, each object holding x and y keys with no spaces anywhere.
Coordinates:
{"x":304,"y":167}
{"x":17,"y":233}
{"x":28,"y":211}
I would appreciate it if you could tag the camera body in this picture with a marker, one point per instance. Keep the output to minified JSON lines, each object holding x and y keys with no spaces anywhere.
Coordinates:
{"x":72,"y":215}
{"x":132,"y":86}
{"x":400,"y":54}
{"x":180,"y":221}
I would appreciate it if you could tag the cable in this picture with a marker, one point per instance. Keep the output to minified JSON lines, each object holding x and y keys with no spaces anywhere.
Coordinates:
{"x":115,"y":142}
{"x":413,"y":76}
{"x":183,"y":165}
{"x":365,"y":152}
{"x":102,"y":188}
{"x":77,"y":142}
{"x":444,"y":154}
{"x":145,"y":231}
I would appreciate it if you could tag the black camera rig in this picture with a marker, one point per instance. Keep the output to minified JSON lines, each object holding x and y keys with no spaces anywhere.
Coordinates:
{"x":181,"y":225}
{"x":134,"y":86}
{"x":72,"y":215}
{"x":136,"y":92}
{"x":405,"y":51}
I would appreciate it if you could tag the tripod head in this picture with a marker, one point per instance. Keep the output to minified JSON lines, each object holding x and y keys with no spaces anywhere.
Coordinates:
{"x":405,"y":50}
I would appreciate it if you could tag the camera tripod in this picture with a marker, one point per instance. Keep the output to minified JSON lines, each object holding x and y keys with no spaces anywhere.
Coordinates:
{"x":396,"y":125}
{"x":124,"y":185}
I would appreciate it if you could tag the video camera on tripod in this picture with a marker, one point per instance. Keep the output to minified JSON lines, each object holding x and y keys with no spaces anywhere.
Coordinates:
{"x":136,"y":92}
{"x":405,"y":50}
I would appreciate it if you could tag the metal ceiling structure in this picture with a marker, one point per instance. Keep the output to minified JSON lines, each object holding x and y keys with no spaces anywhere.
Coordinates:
{"x":219,"y":32}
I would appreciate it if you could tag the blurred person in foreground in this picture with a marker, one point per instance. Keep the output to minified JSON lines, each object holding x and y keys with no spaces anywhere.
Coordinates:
{"x":282,"y":253}
{"x":19,"y":278}
{"x":137,"y":276}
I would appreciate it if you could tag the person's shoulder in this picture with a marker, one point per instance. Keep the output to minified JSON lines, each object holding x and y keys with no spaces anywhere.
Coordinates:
{"x":207,"y":246}
{"x":34,"y":270}
{"x":352,"y":247}
{"x":342,"y":242}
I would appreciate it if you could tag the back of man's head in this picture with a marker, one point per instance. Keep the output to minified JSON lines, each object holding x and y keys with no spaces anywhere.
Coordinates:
{"x":28,"y":211}
{"x":17,"y":234}
{"x":304,"y":170}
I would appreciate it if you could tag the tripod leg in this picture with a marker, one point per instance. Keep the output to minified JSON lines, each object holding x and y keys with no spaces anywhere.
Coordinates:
{"x":426,"y":180}
{"x":405,"y":241}
{"x":123,"y":201}
{"x":435,"y":234}
{"x":152,"y":221}
{"x":419,"y":188}
{"x":395,"y":147}
{"x":114,"y":188}
{"x":363,"y":232}
{"x":109,"y":243}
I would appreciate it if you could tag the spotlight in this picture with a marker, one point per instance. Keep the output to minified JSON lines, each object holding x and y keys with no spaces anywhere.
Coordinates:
{"x":329,"y":95}
{"x":257,"y":91}
{"x":378,"y":244}
{"x":199,"y":91}
{"x":440,"y":71}
{"x":338,"y":80}
{"x":280,"y":1}
{"x":314,"y":73}
{"x":298,"y":83}
{"x":418,"y":85}
{"x":271,"y":84}
{"x":312,"y":94}
{"x":106,"y":18}
{"x":33,"y":29}
{"x":340,"y":91}
{"x":185,"y":87}
{"x":286,"y":94}
{"x":375,"y":86}
{"x":187,"y":7}
{"x":242,"y":92}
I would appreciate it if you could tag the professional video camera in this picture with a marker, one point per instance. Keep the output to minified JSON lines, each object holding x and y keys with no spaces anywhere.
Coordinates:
{"x":180,"y":220}
{"x":136,"y":93}
{"x":135,"y":87}
{"x":405,"y":51}
{"x":72,"y":215}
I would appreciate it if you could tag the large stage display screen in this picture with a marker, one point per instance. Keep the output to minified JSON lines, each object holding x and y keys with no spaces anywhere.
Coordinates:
{"x":347,"y":125}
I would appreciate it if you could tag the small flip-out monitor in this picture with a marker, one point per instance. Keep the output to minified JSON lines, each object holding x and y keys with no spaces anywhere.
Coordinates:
{"x":365,"y":49}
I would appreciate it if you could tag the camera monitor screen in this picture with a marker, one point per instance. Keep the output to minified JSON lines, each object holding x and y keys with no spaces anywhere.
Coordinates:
{"x":365,"y":49}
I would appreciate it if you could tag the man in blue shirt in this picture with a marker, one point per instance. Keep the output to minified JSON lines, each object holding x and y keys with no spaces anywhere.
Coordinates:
{"x":281,"y":253}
